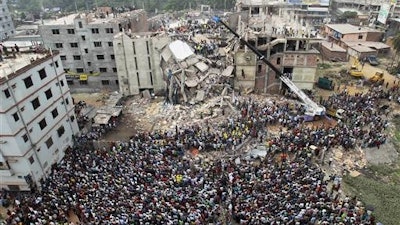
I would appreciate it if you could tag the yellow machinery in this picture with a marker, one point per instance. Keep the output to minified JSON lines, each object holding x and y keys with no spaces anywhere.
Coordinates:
{"x":335,"y":113}
{"x":355,"y":71}
{"x":377,"y":79}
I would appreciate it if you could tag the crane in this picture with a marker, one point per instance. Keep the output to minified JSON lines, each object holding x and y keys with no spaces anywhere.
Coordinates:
{"x":312,"y":108}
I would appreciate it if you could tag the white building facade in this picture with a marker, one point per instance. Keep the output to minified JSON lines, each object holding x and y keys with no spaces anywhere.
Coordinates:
{"x":37,"y":119}
{"x":138,"y":62}
{"x":7,"y":28}
{"x":85,"y":42}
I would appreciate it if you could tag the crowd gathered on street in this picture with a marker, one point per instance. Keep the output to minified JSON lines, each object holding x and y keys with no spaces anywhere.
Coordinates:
{"x":152,"y":179}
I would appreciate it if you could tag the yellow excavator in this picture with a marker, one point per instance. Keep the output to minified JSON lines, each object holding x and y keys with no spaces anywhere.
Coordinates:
{"x":354,"y":70}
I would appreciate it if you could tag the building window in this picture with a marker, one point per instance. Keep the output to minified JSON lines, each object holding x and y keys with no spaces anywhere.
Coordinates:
{"x":105,"y":82}
{"x":22,"y":108}
{"x":42,"y":124}
{"x":42,"y":74}
{"x":80,"y":24}
{"x":25,"y":137}
{"x":97,"y":44}
{"x":55,"y":31}
{"x":16,"y":117}
{"x":116,"y":82}
{"x":74,"y":45}
{"x":83,"y":82}
{"x":83,"y":38}
{"x":54,"y":113}
{"x":61,"y":131}
{"x":77,"y":57}
{"x":136,"y":63}
{"x":79,"y":70}
{"x":56,"y":63}
{"x":103,"y":69}
{"x":95,"y":30}
{"x":49,"y":142}
{"x":114,"y":69}
{"x":14,"y":86}
{"x":31,"y":160}
{"x":70,"y":82}
{"x":86,"y":50}
{"x":7,"y":93}
{"x":35,"y":103}
{"x":70,"y":31}
{"x":110,"y":44}
{"x":28,"y":82}
{"x":59,"y":45}
{"x":109,"y":30}
{"x":360,"y":36}
{"x":149,"y":61}
{"x":134,"y":49}
{"x":112,"y":56}
{"x":67,"y":101}
{"x":100,"y":57}
{"x":278,"y":61}
{"x":62,"y":83}
{"x":48,"y":93}
{"x":63,"y":57}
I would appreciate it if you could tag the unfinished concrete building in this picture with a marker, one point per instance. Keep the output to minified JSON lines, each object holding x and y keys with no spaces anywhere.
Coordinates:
{"x":138,"y":62}
{"x":285,"y":42}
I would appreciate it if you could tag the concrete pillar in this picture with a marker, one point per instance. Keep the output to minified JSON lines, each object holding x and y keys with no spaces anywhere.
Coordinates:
{"x":297,"y":45}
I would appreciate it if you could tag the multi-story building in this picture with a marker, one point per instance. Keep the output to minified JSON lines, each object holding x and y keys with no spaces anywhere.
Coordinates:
{"x":6,"y":24}
{"x":346,"y":32}
{"x":370,"y":8}
{"x":284,"y":40}
{"x":138,"y":60}
{"x":37,"y":119}
{"x":85,"y":42}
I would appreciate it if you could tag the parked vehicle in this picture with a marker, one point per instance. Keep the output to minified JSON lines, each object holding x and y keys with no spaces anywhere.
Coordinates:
{"x":372,"y":60}
{"x":325,"y":83}
{"x":335,"y":113}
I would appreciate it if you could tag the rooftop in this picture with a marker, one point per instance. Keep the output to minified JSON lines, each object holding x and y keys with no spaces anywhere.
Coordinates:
{"x":360,"y":48}
{"x":370,"y":44}
{"x":332,"y":46}
{"x":350,"y":29}
{"x":92,"y":18}
{"x":11,"y":65}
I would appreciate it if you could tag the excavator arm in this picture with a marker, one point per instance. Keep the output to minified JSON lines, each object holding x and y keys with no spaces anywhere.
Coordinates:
{"x":312,"y":108}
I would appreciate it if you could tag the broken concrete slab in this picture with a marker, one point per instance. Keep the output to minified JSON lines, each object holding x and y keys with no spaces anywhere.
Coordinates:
{"x":146,"y":94}
{"x":200,"y":95}
{"x":228,"y":71}
{"x":191,"y":61}
{"x":192,"y":82}
{"x":202,"y":66}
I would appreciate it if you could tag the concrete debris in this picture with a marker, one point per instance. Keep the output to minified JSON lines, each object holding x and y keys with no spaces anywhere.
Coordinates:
{"x":193,"y":77}
{"x":200,"y":95}
{"x":201,"y":66}
{"x":228,"y":71}
{"x":146,"y":94}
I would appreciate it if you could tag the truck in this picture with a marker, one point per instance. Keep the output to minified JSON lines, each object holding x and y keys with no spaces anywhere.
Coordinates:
{"x":313,"y":110}
{"x":325,"y":83}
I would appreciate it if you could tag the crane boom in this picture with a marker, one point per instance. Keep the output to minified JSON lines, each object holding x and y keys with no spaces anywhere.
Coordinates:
{"x":312,"y":108}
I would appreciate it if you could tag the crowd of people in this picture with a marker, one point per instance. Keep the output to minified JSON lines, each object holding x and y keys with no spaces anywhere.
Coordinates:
{"x":152,"y":179}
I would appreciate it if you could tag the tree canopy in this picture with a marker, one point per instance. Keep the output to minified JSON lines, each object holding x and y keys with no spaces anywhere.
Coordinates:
{"x":34,"y":6}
